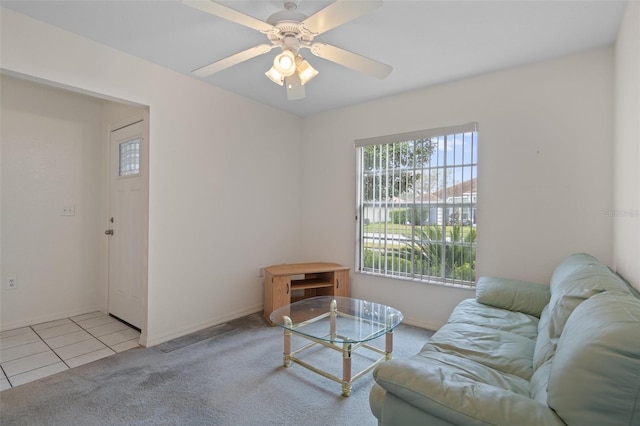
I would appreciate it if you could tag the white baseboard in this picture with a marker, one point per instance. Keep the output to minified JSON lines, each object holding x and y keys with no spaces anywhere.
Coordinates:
{"x":149,"y":341}
{"x":173,"y":334}
{"x":422,"y":324}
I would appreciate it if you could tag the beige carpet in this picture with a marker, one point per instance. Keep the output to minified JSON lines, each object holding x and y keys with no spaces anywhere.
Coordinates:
{"x":226,"y":375}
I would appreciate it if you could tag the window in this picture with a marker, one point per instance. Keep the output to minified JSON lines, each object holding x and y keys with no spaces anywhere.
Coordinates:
{"x":130,"y":157}
{"x":417,"y":205}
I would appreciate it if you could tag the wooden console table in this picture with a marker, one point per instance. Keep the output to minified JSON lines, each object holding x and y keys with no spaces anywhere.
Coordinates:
{"x":290,"y":282}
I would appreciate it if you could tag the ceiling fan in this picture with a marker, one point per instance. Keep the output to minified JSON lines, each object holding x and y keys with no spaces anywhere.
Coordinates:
{"x":291,"y":31}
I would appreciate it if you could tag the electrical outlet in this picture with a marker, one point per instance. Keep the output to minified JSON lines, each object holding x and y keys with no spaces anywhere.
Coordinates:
{"x":68,"y":211}
{"x":261,"y":273}
{"x":12,"y":284}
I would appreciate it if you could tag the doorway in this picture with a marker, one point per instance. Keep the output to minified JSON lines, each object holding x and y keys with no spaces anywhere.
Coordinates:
{"x":55,"y":195}
{"x":127,"y":229}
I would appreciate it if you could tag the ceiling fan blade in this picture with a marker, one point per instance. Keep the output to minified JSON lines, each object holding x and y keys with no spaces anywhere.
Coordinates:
{"x":338,"y":13}
{"x":230,"y":14}
{"x":351,"y":60}
{"x":214,"y":67}
{"x":295,"y":88}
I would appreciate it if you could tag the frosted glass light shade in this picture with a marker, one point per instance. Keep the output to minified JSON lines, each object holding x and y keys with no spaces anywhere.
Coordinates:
{"x":305,"y":71}
{"x":285,"y":63}
{"x":275,"y":76}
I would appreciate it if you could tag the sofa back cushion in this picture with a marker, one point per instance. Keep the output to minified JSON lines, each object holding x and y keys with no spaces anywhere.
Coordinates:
{"x":545,"y":347}
{"x":576,"y":281}
{"x":568,"y":266}
{"x":515,"y":295}
{"x":595,"y":373}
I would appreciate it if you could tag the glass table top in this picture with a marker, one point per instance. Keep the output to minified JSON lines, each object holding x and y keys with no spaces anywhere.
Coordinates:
{"x":356,"y":320}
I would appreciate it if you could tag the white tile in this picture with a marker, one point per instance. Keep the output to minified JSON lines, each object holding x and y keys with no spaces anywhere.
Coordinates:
{"x":68,"y":339}
{"x":60,"y":330}
{"x":23,"y":350}
{"x":125,"y":346}
{"x":87,"y":316}
{"x":50,"y":324}
{"x":38,"y":373}
{"x":31,"y":362}
{"x":26,"y":357}
{"x":19,"y":339}
{"x":15,"y":332}
{"x":109,"y":328}
{"x":4,"y":383}
{"x":90,"y":357}
{"x":119,"y":337}
{"x":80,"y":348}
{"x":94,"y":322}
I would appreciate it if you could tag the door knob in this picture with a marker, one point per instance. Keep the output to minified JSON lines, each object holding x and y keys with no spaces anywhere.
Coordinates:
{"x":109,"y":232}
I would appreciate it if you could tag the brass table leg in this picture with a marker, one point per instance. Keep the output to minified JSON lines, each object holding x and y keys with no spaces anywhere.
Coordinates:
{"x":346,"y":369}
{"x":333,"y":313}
{"x":286,"y":359}
{"x":388,"y":346}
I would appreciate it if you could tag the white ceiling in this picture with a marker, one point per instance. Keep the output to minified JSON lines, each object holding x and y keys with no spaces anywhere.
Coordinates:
{"x":427,"y":42}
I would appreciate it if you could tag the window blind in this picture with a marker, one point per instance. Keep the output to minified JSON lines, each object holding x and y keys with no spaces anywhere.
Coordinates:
{"x":417,"y":205}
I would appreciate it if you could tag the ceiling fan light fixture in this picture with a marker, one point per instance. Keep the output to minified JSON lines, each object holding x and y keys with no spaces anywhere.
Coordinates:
{"x":295,"y":89}
{"x":285,"y":63}
{"x":275,"y":76}
{"x":290,"y":31}
{"x":305,"y":71}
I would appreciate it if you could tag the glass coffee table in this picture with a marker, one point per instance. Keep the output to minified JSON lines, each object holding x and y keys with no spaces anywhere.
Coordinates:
{"x":340,"y":323}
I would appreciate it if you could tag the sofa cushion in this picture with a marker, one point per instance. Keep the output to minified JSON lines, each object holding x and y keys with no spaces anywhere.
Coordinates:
{"x":470,"y":311}
{"x":503,"y":351}
{"x":575,"y":288}
{"x":376,"y":399}
{"x":539,"y":383}
{"x":459,"y":391}
{"x":595,"y":375}
{"x":514,"y":295}
{"x":568,"y":266}
{"x":545,"y":346}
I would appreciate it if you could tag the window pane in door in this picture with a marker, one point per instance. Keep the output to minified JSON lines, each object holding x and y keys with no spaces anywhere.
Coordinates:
{"x":130,"y":157}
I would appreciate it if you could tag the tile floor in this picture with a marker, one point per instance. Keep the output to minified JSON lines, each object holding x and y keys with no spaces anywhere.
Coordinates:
{"x":30,"y":353}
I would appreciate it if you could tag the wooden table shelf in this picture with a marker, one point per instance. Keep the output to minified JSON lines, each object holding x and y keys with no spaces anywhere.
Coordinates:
{"x":307,"y":285}
{"x":297,"y":281}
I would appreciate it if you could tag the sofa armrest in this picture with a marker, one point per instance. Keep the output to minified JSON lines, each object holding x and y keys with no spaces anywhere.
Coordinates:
{"x":458,"y":399}
{"x":514,"y":295}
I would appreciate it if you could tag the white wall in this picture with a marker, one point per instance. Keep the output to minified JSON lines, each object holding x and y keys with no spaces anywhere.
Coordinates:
{"x":229,"y":194}
{"x":544,"y":178}
{"x":626,"y":207}
{"x":224,"y":175}
{"x":52,"y":157}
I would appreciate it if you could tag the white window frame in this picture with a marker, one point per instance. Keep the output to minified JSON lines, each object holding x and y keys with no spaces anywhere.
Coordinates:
{"x":407,"y":252}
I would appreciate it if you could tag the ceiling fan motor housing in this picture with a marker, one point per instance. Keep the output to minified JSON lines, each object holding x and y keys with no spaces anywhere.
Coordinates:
{"x":291,"y":42}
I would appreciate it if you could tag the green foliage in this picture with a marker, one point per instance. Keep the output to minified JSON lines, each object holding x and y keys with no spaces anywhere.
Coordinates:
{"x":399,"y":216}
{"x":417,"y":216}
{"x":425,"y":253}
{"x":456,"y":233}
{"x":392,"y":167}
{"x":377,"y":260}
{"x":465,"y":272}
{"x":414,"y":216}
{"x":471,"y":236}
{"x":407,"y":154}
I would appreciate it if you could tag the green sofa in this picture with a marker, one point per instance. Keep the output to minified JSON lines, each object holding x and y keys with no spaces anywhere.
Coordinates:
{"x":524,"y":353}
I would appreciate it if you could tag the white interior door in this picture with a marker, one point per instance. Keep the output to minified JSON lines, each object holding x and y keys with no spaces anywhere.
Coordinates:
{"x":128,"y":227}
